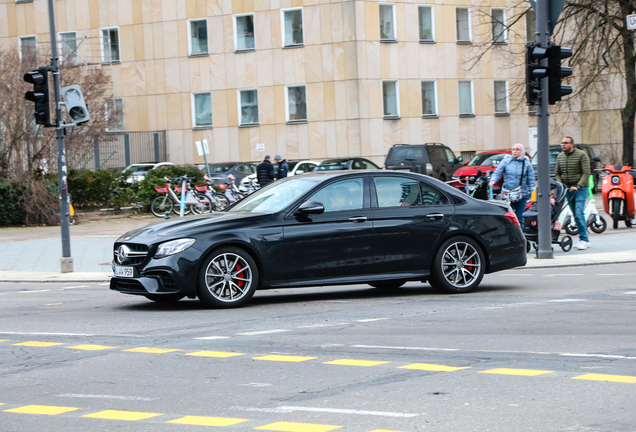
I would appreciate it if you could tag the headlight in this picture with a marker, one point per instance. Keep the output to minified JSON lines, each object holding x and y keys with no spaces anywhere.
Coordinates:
{"x":173,"y":247}
{"x":616,"y":180}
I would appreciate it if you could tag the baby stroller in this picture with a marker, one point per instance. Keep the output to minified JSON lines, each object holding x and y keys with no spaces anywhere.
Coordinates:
{"x":530,"y":229}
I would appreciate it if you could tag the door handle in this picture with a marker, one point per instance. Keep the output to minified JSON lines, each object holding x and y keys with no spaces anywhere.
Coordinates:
{"x":357,"y":219}
{"x":435,"y":216}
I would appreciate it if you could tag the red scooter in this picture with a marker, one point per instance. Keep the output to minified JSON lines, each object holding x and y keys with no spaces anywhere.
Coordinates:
{"x":618,"y":194}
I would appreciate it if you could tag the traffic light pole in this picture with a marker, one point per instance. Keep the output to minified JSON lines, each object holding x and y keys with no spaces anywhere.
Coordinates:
{"x":544,"y":250}
{"x":66,"y":263}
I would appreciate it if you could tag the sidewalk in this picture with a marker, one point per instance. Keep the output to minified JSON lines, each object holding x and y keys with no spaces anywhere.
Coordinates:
{"x":32,"y":254}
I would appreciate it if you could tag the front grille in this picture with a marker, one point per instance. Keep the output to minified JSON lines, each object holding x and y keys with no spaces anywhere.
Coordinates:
{"x":165,"y":278}
{"x":135,"y":253}
{"x":129,"y":286}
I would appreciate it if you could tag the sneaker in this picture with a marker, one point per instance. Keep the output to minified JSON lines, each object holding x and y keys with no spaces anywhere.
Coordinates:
{"x":583,"y":245}
{"x":579,"y":244}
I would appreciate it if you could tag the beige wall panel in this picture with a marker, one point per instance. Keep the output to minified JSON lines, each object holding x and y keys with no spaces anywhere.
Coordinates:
{"x":82,"y":15}
{"x":411,"y":31}
{"x":415,"y":98}
{"x":161,"y":110}
{"x":467,"y":134}
{"x":157,"y":11}
{"x":244,"y":138}
{"x":326,"y":36}
{"x":296,"y":3}
{"x":412,"y":53}
{"x":267,"y":105}
{"x":221,"y":147}
{"x":237,"y":6}
{"x":157,"y":37}
{"x":137,"y":12}
{"x":232,"y":142}
{"x":300,"y":74}
{"x":21,"y":18}
{"x":430,"y":130}
{"x":365,"y":137}
{"x":94,"y":13}
{"x":311,"y":25}
{"x":313,"y":67}
{"x":279,"y":103}
{"x":203,"y":63}
{"x":501,"y":126}
{"x":361,"y":63}
{"x":264,"y":68}
{"x":138,"y":42}
{"x":351,"y":60}
{"x":445,"y":26}
{"x":132,"y":110}
{"x":182,"y":41}
{"x":590,"y":127}
{"x":315,"y":101}
{"x":261,"y":5}
{"x":484,"y":101}
{"x":173,"y":75}
{"x":293,"y":140}
{"x":215,"y":35}
{"x":327,"y":62}
{"x":403,"y":125}
{"x":519,"y":130}
{"x":64,"y":16}
{"x":339,"y":64}
{"x":330,"y":139}
{"x":363,"y":98}
{"x":174,"y":140}
{"x":263,"y":29}
{"x":239,"y":62}
{"x":353,"y":136}
{"x":388,"y":134}
{"x":375,"y":99}
{"x":268,"y":138}
{"x":251,"y":69}
{"x":215,"y":8}
{"x":189,"y":149}
{"x":302,"y":146}
{"x":194,"y":68}
{"x":191,"y":9}
{"x":447,"y":100}
{"x":329,"y":92}
{"x":168,"y":10}
{"x":353,"y":99}
{"x":317,"y":140}
{"x":127,"y":43}
{"x":170,"y":34}
{"x":118,"y":85}
{"x":281,"y":138}
{"x":276,"y":33}
{"x":337,"y":23}
{"x":340,"y":93}
{"x":125,"y":12}
{"x":372,"y":18}
{"x":146,"y":11}
{"x":160,"y":76}
{"x":288,"y":66}
{"x":255,"y":138}
{"x":400,"y":21}
{"x":151,"y":113}
{"x":228,"y":34}
{"x":112,"y":14}
{"x":227,"y":7}
{"x":133,"y":76}
{"x":610,"y":127}
{"x":216,"y":64}
{"x":230,"y":71}
{"x":342,"y":141}
{"x":4,"y":21}
{"x":348,"y":20}
{"x":232,"y":108}
{"x":175,"y":111}
{"x":220,"y":108}
{"x":278,"y":71}
{"x":374,"y":60}
{"x":449,"y":132}
{"x":359,"y":21}
{"x":12,"y":14}
{"x":148,"y":40}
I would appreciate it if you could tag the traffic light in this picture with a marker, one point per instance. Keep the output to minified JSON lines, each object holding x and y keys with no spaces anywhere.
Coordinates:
{"x":557,"y":73}
{"x":534,"y":72}
{"x":40,"y":95}
{"x":75,"y":105}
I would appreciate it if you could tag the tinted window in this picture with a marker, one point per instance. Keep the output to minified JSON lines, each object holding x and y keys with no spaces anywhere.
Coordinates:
{"x":437,"y":155}
{"x":406,"y":153}
{"x":431,"y":196}
{"x":397,"y":192}
{"x":487,"y":159}
{"x":553,"y":156}
{"x":369,"y":165}
{"x":342,"y":195}
{"x":333,"y":165}
{"x":220,"y":168}
{"x":244,"y":169}
{"x":450,"y":156}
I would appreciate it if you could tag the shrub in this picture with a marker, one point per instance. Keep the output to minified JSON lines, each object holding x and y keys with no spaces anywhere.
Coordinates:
{"x":10,"y":211}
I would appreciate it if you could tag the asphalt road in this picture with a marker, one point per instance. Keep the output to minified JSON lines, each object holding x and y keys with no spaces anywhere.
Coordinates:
{"x":532,"y":350}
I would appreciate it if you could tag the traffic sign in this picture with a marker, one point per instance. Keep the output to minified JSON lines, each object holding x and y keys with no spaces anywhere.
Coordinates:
{"x":631,"y":22}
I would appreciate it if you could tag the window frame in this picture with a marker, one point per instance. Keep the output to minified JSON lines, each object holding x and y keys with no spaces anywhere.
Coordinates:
{"x":194,"y":113}
{"x":207,"y":38}
{"x":282,"y":26}
{"x":235,"y":30}
{"x":506,"y":98}
{"x":394,"y":15}
{"x":20,"y":44}
{"x":472,"y":98}
{"x":419,"y":23}
{"x":470,"y":27}
{"x":397,"y":100}
{"x":504,"y":33}
{"x":108,"y":111}
{"x":295,"y":121}
{"x":436,"y":107}
{"x":240,"y":107}
{"x":101,"y":45}
{"x":75,"y":61}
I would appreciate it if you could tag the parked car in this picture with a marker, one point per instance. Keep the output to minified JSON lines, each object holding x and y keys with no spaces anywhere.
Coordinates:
{"x":486,"y":161}
{"x":220,"y":171}
{"x":433,"y":159}
{"x":346,"y":164}
{"x":138,"y":171}
{"x":329,"y":228}
{"x":554,"y":152}
{"x":295,"y":167}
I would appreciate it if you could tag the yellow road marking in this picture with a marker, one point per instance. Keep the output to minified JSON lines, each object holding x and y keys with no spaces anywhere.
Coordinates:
{"x":349,"y":362}
{"x":285,"y":358}
{"x":152,"y":350}
{"x":611,"y":378}
{"x":524,"y":372}
{"x":5,"y":340}
{"x":433,"y":367}
{"x":91,"y":347}
{"x":207,"y":421}
{"x":41,"y":409}
{"x":38,"y":344}
{"x":297,"y":427}
{"x":220,"y":354}
{"x":122,"y":415}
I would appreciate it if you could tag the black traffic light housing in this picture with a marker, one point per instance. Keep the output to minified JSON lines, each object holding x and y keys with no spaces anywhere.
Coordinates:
{"x":557,"y":72}
{"x":40,"y":95}
{"x":534,"y":72}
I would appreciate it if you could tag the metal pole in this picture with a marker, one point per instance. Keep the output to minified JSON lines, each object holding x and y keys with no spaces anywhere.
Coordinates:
{"x":543,"y":143}
{"x":66,"y":262}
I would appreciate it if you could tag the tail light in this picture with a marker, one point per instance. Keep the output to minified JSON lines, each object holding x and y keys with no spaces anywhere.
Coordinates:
{"x":512,"y":218}
{"x":429,"y":169}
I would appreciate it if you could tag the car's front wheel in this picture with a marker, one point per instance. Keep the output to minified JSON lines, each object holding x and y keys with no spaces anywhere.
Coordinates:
{"x":228,"y":278}
{"x":458,"y":266}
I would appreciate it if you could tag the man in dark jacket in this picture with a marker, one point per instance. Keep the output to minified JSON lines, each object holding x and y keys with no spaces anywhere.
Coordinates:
{"x":573,"y":170}
{"x":283,"y":169}
{"x":265,"y":172}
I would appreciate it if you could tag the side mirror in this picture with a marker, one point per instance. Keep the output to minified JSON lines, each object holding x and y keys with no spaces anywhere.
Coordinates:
{"x":310,"y":207}
{"x":459,"y":159}
{"x":596,"y":158}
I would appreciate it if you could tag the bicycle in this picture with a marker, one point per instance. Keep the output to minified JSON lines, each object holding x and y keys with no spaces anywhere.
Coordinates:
{"x":231,"y":191}
{"x":168,"y":201}
{"x":206,"y":193}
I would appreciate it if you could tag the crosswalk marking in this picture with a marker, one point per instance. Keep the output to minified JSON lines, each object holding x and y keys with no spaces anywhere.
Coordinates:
{"x":90,"y":347}
{"x":433,"y":367}
{"x":350,"y":362}
{"x":41,"y":409}
{"x":38,"y":344}
{"x":285,"y":358}
{"x":207,"y":421}
{"x":297,"y":427}
{"x":152,"y":350}
{"x":219,"y":354}
{"x":122,"y":415}
{"x":610,"y":378}
{"x":524,"y":372}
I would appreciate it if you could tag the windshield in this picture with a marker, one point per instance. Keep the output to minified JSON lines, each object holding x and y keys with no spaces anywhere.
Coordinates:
{"x":138,"y":168}
{"x":553,"y":156}
{"x":487,"y":159}
{"x":332,"y":166}
{"x":408,"y":153}
{"x":276,"y":196}
{"x":220,"y":168}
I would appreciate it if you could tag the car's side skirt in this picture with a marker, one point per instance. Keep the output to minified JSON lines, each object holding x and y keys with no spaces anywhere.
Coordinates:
{"x":347,"y":280}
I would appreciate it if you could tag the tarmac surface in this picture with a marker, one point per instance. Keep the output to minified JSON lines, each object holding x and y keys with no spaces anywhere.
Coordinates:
{"x":32,"y":254}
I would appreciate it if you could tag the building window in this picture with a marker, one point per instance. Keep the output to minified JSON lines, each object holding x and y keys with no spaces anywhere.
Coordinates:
{"x":387,"y":22}
{"x":429,"y":99}
{"x":391,"y":99}
{"x":248,"y":107}
{"x":427,"y":24}
{"x":462,"y":20}
{"x":68,"y":48}
{"x":531,"y":25}
{"x":244,"y":32}
{"x":466,"y":106}
{"x":202,"y":110}
{"x":115,"y":115}
{"x":28,"y":50}
{"x":292,"y":27}
{"x":110,"y":45}
{"x":198,"y":39}
{"x":501,"y":97}
{"x":296,"y":103}
{"x":498,"y":17}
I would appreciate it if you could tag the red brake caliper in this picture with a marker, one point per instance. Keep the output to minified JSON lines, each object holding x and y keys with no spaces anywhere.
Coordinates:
{"x":240,"y":283}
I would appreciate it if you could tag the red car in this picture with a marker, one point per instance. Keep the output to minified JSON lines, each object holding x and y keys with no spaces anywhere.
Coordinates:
{"x":485,"y":161}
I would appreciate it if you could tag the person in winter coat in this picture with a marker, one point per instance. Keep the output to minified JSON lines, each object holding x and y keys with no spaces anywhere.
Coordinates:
{"x":265,"y":173}
{"x":283,"y":168}
{"x":516,"y":171}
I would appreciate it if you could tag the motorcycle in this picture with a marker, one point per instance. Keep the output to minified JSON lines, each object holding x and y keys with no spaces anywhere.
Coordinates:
{"x":477,"y":186}
{"x":618,"y":194}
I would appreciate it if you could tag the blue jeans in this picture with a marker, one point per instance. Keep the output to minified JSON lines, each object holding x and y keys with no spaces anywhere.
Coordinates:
{"x":519,"y":207}
{"x":577,"y":205}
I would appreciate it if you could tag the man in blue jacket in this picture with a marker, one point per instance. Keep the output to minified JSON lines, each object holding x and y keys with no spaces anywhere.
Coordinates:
{"x":283,"y":169}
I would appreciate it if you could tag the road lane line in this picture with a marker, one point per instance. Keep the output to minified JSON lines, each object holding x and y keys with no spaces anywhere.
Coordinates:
{"x":347,"y":411}
{"x":523,"y":372}
{"x":608,"y":378}
{"x":91,"y":396}
{"x":212,"y":337}
{"x":217,"y":354}
{"x":284,"y":358}
{"x":46,"y":334}
{"x":262,"y":332}
{"x":297,"y":427}
{"x":207,"y":421}
{"x":73,"y":287}
{"x":91,"y":347}
{"x":38,"y":344}
{"x":351,"y":362}
{"x":33,"y":291}
{"x":613,"y":356}
{"x":371,"y":319}
{"x":405,"y":348}
{"x":41,"y":409}
{"x":152,"y":350}
{"x":122,"y":415}
{"x":564,"y":300}
{"x":433,"y":367}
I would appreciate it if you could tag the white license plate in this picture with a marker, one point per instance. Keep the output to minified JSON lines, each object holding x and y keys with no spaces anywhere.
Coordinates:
{"x":124,"y":271}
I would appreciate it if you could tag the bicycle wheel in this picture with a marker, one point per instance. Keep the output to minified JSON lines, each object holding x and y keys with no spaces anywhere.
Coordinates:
{"x":177,"y":209}
{"x":222,"y":200}
{"x":160,"y":205}
{"x":203,"y":206}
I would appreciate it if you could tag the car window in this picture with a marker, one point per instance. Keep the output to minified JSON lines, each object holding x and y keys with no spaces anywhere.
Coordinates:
{"x":332,"y":165}
{"x":431,"y":196}
{"x":487,"y":159}
{"x":244,"y":169}
{"x":220,"y":168}
{"x":406,"y":153}
{"x":436,"y":155}
{"x":554,"y":152}
{"x":138,"y":168}
{"x":357,"y":164}
{"x":397,"y":191}
{"x":343,"y":195}
{"x":306,"y":167}
{"x":450,"y":156}
{"x":275,"y":196}
{"x":369,"y":165}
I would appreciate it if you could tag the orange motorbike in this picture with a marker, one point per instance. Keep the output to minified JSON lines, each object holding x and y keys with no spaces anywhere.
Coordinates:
{"x":618,"y":194}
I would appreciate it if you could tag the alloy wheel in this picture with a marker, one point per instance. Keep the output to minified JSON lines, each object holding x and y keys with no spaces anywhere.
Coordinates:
{"x":461,"y":264}
{"x":228,"y":277}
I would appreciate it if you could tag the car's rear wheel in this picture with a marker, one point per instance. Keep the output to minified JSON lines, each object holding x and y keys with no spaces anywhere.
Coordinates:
{"x":458,"y":266}
{"x":388,"y":285}
{"x":164,"y":298}
{"x":228,"y":278}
